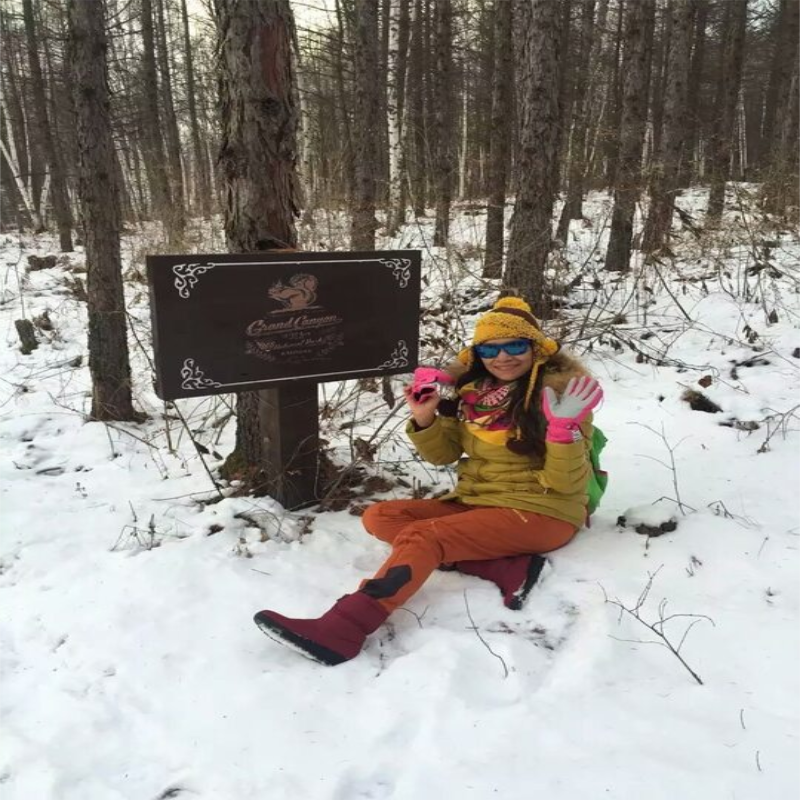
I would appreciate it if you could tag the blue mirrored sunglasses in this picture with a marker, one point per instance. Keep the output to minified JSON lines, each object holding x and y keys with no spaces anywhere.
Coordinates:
{"x":515,"y":348}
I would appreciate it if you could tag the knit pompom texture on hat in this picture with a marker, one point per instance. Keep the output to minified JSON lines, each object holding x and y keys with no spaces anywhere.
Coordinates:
{"x":512,"y":318}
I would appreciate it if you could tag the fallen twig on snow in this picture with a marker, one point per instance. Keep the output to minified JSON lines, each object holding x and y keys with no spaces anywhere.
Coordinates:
{"x":657,"y":627}
{"x":775,"y":423}
{"x":671,"y":466}
{"x":485,"y":643}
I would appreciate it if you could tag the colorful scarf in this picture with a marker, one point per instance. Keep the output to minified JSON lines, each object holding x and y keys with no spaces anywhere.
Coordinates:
{"x":486,"y":409}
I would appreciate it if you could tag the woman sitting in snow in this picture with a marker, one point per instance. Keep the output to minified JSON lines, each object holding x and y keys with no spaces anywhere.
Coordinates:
{"x":523,"y":423}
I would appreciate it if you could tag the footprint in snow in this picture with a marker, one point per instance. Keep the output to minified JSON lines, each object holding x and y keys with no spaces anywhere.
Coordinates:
{"x":364,"y":787}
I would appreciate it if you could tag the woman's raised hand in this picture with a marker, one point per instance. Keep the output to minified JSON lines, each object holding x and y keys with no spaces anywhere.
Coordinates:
{"x":566,"y":413}
{"x":423,"y":411}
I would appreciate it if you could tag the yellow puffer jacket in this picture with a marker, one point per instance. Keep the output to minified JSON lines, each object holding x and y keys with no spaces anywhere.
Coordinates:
{"x":491,"y":475}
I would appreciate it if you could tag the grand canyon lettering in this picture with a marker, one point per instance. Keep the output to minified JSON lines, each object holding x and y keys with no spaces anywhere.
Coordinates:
{"x":263,"y":327}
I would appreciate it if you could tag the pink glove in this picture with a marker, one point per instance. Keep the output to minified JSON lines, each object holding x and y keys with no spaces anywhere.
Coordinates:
{"x":565,"y":414}
{"x":426,"y":381}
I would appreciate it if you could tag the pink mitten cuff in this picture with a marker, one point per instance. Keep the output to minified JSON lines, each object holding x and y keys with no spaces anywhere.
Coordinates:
{"x":563,"y":431}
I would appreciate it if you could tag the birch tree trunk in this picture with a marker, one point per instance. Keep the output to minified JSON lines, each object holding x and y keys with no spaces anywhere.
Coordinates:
{"x":395,"y":80}
{"x":15,"y":147}
{"x":415,"y":112}
{"x":444,"y":121}
{"x":12,"y":157}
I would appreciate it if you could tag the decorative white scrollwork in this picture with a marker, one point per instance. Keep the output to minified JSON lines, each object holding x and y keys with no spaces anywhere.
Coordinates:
{"x":399,"y":357}
{"x":194,"y":377}
{"x":187,"y":275}
{"x":401,"y":269}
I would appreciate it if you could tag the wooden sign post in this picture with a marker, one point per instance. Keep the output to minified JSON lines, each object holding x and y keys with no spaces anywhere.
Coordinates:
{"x":282,"y":322}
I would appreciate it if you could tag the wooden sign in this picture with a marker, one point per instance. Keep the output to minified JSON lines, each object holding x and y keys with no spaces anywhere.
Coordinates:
{"x":230,"y":323}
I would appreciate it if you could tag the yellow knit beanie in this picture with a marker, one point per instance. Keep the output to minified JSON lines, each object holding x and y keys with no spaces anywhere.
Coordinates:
{"x":512,"y":318}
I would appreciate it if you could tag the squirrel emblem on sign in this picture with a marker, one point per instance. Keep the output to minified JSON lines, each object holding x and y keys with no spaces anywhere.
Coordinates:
{"x":300,"y":293}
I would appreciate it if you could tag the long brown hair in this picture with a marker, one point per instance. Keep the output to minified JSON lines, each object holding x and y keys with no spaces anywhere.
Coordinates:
{"x":531,"y":425}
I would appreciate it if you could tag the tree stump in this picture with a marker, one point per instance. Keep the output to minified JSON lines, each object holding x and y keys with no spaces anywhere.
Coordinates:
{"x":35,"y":263}
{"x":27,"y":336}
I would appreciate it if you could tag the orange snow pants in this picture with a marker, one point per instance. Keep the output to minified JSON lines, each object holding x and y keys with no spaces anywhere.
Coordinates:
{"x":426,"y":533}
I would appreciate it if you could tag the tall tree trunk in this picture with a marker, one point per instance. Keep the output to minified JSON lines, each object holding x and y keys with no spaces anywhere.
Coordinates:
{"x":170,"y":120}
{"x":12,"y":157}
{"x":307,"y":134}
{"x":429,"y":84}
{"x":573,"y":205}
{"x":258,"y":151}
{"x":60,"y":106}
{"x":202,"y":189}
{"x":464,"y":122}
{"x":257,"y":165}
{"x":566,"y":93}
{"x":16,"y":148}
{"x":58,"y":185}
{"x":100,"y":214}
{"x":597,"y":90}
{"x":635,"y":67}
{"x":537,"y":152}
{"x":784,"y":60}
{"x":780,"y":191}
{"x":155,"y":160}
{"x":444,"y":121}
{"x":344,"y":106}
{"x":500,"y":142}
{"x":664,"y":171}
{"x":415,"y":106}
{"x":658,"y":73}
{"x":731,"y":61}
{"x":403,"y":43}
{"x":483,"y":103}
{"x":368,"y":123}
{"x":613,"y":119}
{"x":382,"y":77}
{"x":394,"y":117}
{"x":690,"y":163}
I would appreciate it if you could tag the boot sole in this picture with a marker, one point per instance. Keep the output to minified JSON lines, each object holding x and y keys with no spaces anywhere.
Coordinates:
{"x":517,"y":600}
{"x":305,"y":647}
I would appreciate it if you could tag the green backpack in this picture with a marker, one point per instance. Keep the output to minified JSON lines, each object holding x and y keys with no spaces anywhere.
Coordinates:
{"x":598,"y":480}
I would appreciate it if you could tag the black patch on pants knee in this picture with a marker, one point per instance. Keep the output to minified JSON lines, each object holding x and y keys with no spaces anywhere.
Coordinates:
{"x":390,"y":584}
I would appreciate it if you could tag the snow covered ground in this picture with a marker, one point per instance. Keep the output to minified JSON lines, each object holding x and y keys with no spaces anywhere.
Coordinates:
{"x":131,"y":669}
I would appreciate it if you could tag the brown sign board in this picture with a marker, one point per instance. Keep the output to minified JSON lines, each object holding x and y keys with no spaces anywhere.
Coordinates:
{"x":234,"y":322}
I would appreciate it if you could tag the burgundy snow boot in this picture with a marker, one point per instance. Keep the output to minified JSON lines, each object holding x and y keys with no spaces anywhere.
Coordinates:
{"x":335,"y":637}
{"x":515,"y":575}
